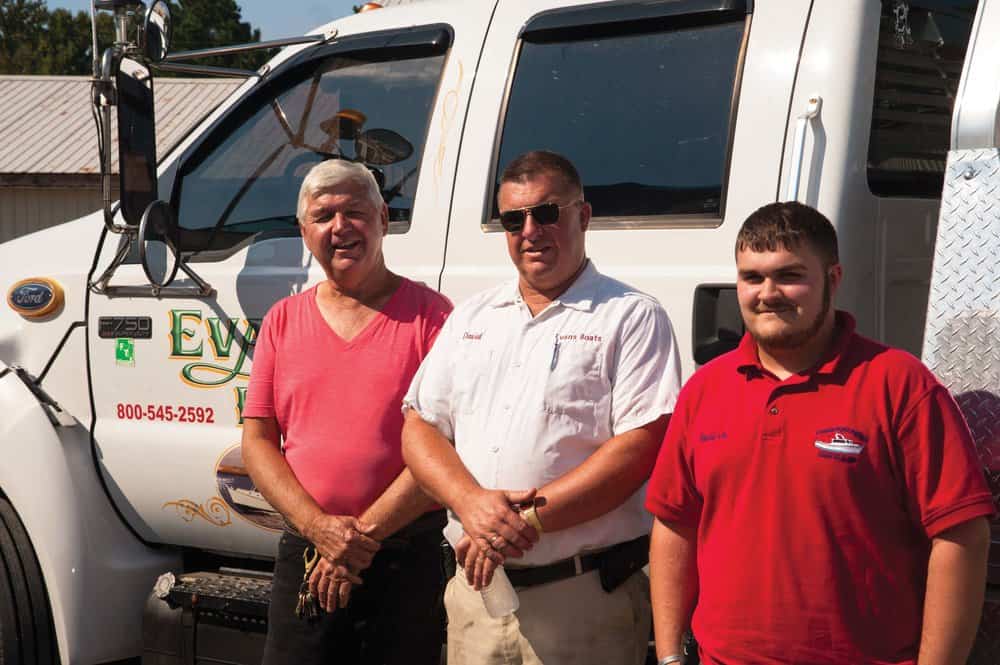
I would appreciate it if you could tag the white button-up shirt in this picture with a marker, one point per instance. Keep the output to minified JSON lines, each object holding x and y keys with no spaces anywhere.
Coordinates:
{"x":527,"y":399}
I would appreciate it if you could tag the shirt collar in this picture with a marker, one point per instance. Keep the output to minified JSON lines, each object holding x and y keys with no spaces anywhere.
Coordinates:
{"x":579,"y":295}
{"x":845,"y":325}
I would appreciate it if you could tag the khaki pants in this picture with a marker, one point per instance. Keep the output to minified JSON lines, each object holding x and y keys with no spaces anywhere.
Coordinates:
{"x":572,"y":621}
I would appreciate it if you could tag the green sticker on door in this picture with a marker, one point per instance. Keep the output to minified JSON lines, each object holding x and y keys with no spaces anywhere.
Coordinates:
{"x":124,"y":352}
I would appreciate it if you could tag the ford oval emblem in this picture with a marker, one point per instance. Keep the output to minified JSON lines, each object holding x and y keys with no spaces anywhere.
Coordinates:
{"x":35,"y":297}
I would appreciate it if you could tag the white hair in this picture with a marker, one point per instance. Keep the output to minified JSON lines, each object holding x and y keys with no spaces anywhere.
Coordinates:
{"x":330,"y":174}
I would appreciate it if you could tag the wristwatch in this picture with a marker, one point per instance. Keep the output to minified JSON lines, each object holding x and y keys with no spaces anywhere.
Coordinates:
{"x":672,"y":658}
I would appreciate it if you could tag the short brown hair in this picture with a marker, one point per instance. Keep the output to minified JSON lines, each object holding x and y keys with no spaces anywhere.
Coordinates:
{"x":786,"y":226}
{"x":531,"y":164}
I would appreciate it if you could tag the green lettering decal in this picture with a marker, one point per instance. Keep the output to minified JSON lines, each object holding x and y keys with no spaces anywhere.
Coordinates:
{"x":241,"y":398}
{"x":219,"y":345}
{"x":210,"y":375}
{"x":178,"y":333}
{"x":253,"y":329}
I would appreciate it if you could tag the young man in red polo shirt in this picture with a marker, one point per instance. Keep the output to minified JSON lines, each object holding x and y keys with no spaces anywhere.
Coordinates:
{"x":817,"y":494}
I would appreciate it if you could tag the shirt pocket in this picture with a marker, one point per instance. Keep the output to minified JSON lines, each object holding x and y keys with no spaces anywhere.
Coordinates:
{"x":575,"y":383}
{"x":472,"y":368}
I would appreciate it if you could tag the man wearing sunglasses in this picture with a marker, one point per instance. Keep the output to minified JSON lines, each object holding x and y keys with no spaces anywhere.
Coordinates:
{"x":536,"y":420}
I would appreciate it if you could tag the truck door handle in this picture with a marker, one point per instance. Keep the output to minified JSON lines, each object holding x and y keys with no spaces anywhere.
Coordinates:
{"x":799,"y":146}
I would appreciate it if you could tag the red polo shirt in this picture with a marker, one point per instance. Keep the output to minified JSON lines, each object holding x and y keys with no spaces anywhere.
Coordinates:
{"x":815,"y":500}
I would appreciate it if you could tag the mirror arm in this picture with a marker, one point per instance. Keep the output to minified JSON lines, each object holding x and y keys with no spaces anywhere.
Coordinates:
{"x":201,"y":288}
{"x":207,"y":70}
{"x":100,"y":285}
{"x":204,"y":288}
{"x":157,"y":292}
{"x":243,"y":48}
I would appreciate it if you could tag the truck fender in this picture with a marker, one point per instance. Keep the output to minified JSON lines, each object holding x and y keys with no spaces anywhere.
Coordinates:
{"x":96,"y":572}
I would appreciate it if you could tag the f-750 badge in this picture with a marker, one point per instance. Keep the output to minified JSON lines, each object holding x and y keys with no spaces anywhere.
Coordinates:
{"x":125,"y":327}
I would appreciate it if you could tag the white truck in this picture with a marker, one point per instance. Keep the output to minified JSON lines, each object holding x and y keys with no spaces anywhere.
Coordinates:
{"x":126,"y":342}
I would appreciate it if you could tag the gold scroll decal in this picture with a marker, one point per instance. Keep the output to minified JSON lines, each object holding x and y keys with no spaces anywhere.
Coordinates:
{"x":215,"y":511}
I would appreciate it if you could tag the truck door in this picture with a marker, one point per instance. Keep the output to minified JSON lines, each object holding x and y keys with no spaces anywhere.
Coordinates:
{"x":169,"y":374}
{"x":962,"y":332}
{"x":887,"y":74}
{"x":673,"y":112}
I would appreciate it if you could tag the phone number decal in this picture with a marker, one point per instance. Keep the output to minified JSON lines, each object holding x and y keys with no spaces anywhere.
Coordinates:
{"x":166,"y":413}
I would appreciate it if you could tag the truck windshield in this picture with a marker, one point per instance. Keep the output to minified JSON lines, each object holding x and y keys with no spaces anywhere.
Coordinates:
{"x":244,"y":180}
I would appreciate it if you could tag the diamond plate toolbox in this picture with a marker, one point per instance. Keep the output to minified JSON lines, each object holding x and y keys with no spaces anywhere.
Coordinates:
{"x":962,"y":334}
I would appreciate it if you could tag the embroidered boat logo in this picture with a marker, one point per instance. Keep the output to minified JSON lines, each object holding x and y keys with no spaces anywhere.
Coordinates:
{"x":839,"y":446}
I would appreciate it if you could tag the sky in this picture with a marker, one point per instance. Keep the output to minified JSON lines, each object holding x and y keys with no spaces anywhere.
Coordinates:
{"x":275,"y":18}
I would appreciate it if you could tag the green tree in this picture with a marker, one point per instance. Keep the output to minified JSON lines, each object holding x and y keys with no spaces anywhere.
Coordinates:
{"x":66,"y":45}
{"x":199,"y":24}
{"x":34,"y":40}
{"x":22,"y":23}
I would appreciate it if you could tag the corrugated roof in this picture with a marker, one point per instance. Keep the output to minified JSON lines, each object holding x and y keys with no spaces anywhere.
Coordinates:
{"x":46,"y":124}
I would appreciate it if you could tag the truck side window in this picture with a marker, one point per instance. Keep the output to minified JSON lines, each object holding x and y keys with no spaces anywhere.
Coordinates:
{"x":921,"y":48}
{"x":643,"y":109}
{"x":372,"y":106}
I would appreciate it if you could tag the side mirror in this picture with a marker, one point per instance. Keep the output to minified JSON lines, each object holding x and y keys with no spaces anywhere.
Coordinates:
{"x":157,"y":239}
{"x":156,"y":32}
{"x":136,"y":140}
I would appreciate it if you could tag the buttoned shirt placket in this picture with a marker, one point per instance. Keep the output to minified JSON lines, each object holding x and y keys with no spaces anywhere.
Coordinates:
{"x":773,"y":419}
{"x":525,"y":334}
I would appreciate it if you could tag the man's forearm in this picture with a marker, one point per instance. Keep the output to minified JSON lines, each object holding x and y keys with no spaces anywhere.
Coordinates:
{"x":673,"y":584}
{"x":273,"y":477}
{"x":486,"y":514}
{"x":401,"y":503}
{"x":434,"y":462}
{"x":604,"y":481}
{"x":953,"y":602}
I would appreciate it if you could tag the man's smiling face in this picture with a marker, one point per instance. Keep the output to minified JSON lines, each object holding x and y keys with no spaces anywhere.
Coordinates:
{"x":343,"y":229}
{"x":546,"y":256}
{"x":785,"y":295}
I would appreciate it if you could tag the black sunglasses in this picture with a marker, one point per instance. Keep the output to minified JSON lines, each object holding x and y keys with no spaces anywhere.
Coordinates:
{"x":512,"y":221}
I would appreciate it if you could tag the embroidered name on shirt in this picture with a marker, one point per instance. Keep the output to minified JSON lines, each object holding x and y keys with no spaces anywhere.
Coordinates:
{"x":473,"y":336}
{"x":582,"y":337}
{"x":704,"y":437}
{"x":840,"y":443}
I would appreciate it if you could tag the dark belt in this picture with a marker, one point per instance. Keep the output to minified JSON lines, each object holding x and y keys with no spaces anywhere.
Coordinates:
{"x":636,"y":551}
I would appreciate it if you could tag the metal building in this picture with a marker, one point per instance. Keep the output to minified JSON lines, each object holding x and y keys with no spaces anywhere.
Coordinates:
{"x":48,"y":144}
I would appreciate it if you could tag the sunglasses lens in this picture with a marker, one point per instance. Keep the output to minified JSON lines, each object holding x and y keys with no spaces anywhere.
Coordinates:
{"x":512,"y":221}
{"x":546,"y":213}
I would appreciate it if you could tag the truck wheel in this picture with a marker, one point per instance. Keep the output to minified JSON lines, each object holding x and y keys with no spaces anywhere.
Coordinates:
{"x":26,"y":633}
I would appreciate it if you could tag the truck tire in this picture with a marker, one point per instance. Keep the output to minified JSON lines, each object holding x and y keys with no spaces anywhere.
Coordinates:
{"x":26,"y":633}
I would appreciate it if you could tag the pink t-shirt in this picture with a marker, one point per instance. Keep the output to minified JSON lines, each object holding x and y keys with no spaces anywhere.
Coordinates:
{"x":338,"y":403}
